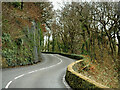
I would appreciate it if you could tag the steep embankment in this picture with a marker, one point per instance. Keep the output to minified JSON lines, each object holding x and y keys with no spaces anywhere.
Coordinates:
{"x":16,"y":45}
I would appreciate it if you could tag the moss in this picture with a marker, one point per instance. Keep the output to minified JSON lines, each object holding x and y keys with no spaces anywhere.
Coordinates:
{"x":16,"y":52}
{"x":79,"y":83}
{"x":4,"y":63}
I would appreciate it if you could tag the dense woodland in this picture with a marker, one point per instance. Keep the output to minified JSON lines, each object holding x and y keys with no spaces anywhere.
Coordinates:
{"x":23,"y":24}
{"x":91,"y":29}
{"x":88,"y":28}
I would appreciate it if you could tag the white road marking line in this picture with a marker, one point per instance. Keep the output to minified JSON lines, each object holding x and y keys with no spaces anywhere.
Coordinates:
{"x":8,"y":84}
{"x":33,"y":72}
{"x":52,"y":55}
{"x":65,"y":83}
{"x":19,"y":76}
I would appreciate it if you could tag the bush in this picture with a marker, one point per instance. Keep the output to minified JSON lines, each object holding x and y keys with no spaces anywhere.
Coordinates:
{"x":16,"y":4}
{"x":15,"y":53}
{"x":4,"y":63}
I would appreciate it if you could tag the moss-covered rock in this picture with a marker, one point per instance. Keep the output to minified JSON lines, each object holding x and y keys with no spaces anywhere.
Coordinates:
{"x":79,"y":83}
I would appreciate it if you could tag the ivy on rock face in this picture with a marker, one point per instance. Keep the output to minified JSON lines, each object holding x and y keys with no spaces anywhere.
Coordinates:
{"x":15,"y":52}
{"x":19,"y":41}
{"x":28,"y":43}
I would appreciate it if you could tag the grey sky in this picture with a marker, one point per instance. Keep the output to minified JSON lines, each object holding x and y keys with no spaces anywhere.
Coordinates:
{"x":58,"y":3}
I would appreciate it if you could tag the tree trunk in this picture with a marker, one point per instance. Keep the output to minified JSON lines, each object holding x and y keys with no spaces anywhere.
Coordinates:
{"x":118,"y":37}
{"x":21,"y":5}
{"x":118,"y":46}
{"x":53,"y":43}
{"x":48,"y":43}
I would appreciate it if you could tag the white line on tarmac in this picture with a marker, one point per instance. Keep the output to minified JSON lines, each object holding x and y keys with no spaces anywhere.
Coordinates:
{"x":8,"y":84}
{"x":65,"y":83}
{"x":19,"y":76}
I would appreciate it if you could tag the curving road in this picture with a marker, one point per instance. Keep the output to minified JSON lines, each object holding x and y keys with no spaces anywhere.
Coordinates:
{"x":47,"y":74}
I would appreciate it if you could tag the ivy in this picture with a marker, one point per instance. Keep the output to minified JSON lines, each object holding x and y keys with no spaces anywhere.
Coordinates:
{"x":15,"y":52}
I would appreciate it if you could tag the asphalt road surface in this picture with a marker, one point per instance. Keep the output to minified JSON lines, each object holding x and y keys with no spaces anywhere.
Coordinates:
{"x":47,"y":74}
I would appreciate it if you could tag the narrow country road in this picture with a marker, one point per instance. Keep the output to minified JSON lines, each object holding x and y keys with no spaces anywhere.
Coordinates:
{"x":47,"y":74}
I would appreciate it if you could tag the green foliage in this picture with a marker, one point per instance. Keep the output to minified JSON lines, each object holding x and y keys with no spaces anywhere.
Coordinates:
{"x":6,"y":38}
{"x":15,"y":52}
{"x":19,"y":42}
{"x":18,"y":22}
{"x":77,"y":82}
{"x":5,"y":24}
{"x":16,"y":4}
{"x":8,"y":54}
{"x":5,"y":21}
